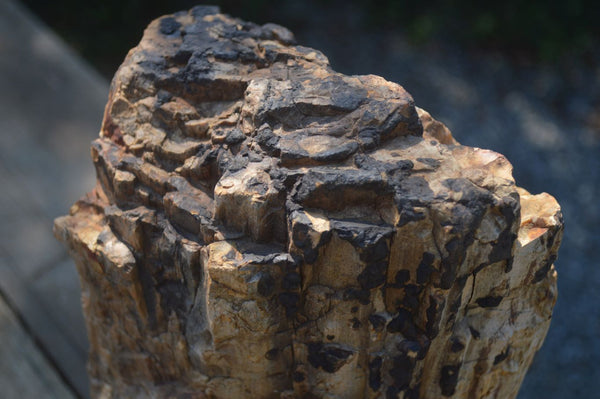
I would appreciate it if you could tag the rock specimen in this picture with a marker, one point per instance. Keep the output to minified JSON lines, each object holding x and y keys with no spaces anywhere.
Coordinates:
{"x":265,"y":227}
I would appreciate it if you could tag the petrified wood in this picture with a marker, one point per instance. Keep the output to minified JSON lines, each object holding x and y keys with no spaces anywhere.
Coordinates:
{"x":266,"y":227}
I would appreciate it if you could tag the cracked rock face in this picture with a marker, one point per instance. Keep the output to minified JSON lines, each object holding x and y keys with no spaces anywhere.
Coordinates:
{"x":266,"y":227}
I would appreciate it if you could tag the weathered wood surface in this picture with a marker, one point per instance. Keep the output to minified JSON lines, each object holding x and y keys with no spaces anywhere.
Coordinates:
{"x":263,"y":226}
{"x":50,"y":109}
{"x":24,"y":372}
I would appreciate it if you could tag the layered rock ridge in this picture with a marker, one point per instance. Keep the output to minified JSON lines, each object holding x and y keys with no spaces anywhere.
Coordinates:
{"x":265,"y":227}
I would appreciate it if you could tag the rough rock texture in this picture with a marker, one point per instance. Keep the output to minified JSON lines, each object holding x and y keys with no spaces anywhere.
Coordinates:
{"x":265,"y":227}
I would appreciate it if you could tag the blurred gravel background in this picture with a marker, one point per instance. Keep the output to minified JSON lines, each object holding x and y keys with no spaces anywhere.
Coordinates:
{"x":539,"y":105}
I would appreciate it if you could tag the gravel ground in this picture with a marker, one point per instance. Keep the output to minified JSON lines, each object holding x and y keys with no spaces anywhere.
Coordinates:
{"x":545,"y":120}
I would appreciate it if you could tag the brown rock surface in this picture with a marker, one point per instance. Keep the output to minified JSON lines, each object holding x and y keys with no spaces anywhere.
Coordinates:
{"x":266,"y":227}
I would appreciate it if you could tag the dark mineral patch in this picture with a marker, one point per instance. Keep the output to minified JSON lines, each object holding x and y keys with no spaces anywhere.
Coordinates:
{"x":403,"y":323}
{"x":501,"y":356}
{"x":298,"y":376}
{"x":266,"y":285}
{"x":402,"y":276}
{"x":272,"y":354}
{"x":169,"y":25}
{"x":373,"y":275}
{"x":448,"y":379}
{"x":411,"y":298}
{"x":377,"y":321}
{"x":401,"y":371}
{"x":328,"y":357}
{"x":542,"y":272}
{"x":457,"y":345}
{"x":289,"y":300}
{"x":375,"y":373}
{"x":291,"y":281}
{"x":489,"y":301}
{"x":425,"y":268}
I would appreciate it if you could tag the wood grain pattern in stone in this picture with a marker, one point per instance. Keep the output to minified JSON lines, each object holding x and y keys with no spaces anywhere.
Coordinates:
{"x":266,"y":227}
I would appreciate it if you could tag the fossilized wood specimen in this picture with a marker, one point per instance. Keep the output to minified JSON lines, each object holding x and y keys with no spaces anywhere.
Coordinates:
{"x":265,"y":227}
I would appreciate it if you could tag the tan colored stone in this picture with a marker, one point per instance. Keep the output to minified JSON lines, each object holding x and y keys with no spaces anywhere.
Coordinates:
{"x":265,"y":227}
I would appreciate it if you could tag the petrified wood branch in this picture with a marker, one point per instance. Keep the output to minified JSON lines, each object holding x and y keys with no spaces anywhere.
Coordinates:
{"x":266,"y":227}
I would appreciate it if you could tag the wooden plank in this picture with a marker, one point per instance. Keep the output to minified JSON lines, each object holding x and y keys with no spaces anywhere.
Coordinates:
{"x":37,"y":286}
{"x":24,"y":372}
{"x":61,"y":284}
{"x":42,"y":292}
{"x":51,"y":105}
{"x":56,"y":341}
